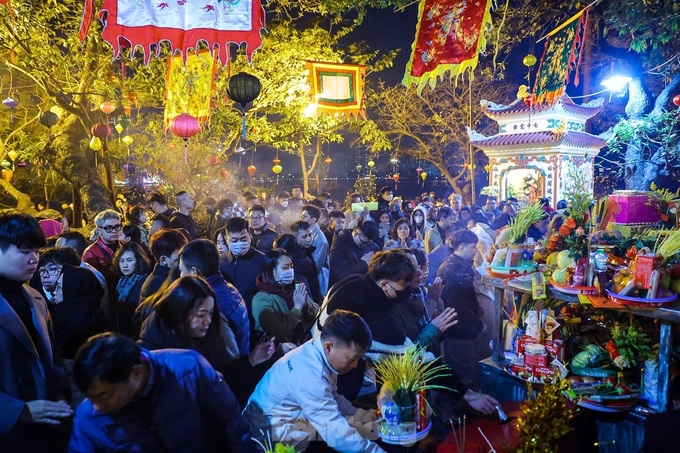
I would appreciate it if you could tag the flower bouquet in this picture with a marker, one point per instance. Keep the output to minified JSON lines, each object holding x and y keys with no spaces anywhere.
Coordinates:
{"x":513,"y":256}
{"x":402,"y":400}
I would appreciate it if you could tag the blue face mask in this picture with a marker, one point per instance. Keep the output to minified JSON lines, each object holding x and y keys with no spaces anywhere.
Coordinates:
{"x":286,"y":276}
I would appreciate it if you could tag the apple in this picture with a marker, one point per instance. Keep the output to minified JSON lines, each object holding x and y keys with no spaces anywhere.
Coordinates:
{"x":564,"y":260}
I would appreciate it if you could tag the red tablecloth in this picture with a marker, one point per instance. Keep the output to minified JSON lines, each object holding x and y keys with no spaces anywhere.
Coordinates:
{"x":503,"y":437}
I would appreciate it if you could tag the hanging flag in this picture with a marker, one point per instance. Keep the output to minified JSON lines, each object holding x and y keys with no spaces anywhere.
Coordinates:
{"x":449,"y":37}
{"x":188,"y":87}
{"x":337,"y":88}
{"x":182,"y":23}
{"x":559,"y":58}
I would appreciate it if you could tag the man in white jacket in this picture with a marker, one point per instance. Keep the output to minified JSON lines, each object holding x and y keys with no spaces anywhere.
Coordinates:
{"x":297,"y":400}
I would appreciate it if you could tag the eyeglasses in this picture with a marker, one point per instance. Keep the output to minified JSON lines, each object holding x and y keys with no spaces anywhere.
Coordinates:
{"x":53,"y":271}
{"x":256,"y":217}
{"x":112,"y":228}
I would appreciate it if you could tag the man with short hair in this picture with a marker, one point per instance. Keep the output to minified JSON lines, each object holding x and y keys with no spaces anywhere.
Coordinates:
{"x":261,"y":235}
{"x":165,"y":400}
{"x":464,"y":215}
{"x":303,"y":259}
{"x":351,"y":250}
{"x":181,"y":219}
{"x":388,"y":202}
{"x":242,"y":263}
{"x":312,"y":215}
{"x":281,"y":204}
{"x":490,"y":206}
{"x":297,"y":400}
{"x":296,"y":192}
{"x":439,"y":254}
{"x":165,"y":247}
{"x":100,"y":254}
{"x":79,"y":243}
{"x":159,"y":204}
{"x":455,"y":202}
{"x":33,"y":388}
{"x":200,"y":257}
{"x":336,"y":222}
{"x":445,"y":219}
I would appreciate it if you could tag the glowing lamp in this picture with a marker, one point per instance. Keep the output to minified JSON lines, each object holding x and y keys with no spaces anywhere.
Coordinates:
{"x":12,"y":155}
{"x":529,"y":60}
{"x":676,"y":100}
{"x":107,"y":107}
{"x":251,"y":170}
{"x":128,"y":140}
{"x":96,"y":144}
{"x":277,"y":169}
{"x":328,"y":160}
{"x":423,"y":176}
{"x":101,"y":130}
{"x":48,"y":119}
{"x":371,"y":164}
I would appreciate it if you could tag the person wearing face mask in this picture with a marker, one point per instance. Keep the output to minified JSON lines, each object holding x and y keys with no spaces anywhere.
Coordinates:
{"x":352,"y":249}
{"x":282,"y":308}
{"x":458,"y":275}
{"x":384,"y":227}
{"x":241,"y":263}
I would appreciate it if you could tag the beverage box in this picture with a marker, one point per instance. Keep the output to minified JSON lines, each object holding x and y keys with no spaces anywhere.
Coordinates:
{"x":545,"y":373}
{"x":523,"y":371}
{"x":636,"y":207}
{"x":644,"y":266}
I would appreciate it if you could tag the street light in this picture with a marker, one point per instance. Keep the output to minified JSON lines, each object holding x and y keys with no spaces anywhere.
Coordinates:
{"x":617,"y":79}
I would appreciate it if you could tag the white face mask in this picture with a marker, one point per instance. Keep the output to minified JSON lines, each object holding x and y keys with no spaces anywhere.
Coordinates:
{"x":239,"y":248}
{"x":284,"y":204}
{"x":285,"y":276}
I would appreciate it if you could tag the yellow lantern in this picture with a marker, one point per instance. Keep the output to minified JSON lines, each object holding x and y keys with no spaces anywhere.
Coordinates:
{"x":119,"y":128}
{"x":7,"y":174}
{"x":128,"y":140}
{"x":57,"y":110}
{"x":371,"y":164}
{"x":13,"y":154}
{"x":96,"y":144}
{"x":277,"y":169}
{"x":423,"y":176}
{"x":529,"y":60}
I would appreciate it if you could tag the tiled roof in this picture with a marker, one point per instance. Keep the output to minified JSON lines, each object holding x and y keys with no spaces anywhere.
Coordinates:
{"x":519,"y":108}
{"x":569,"y":138}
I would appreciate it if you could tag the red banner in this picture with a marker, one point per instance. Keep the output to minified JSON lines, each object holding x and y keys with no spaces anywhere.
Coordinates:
{"x":449,"y":36}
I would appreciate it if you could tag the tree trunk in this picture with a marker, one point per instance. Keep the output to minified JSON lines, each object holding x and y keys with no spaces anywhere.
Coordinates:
{"x":305,"y":173}
{"x":65,"y":152}
{"x":24,"y":203}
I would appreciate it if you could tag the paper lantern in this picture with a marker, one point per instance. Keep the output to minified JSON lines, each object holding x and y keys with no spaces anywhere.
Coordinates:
{"x":22,"y":164}
{"x":277,"y":161}
{"x":96,"y":144}
{"x":328,"y":161}
{"x":57,"y":110}
{"x":394,"y":161}
{"x":124,"y":121}
{"x":128,"y":140}
{"x":101,"y":130}
{"x":185,"y":126}
{"x":371,"y":164}
{"x":7,"y":174}
{"x":419,"y":170}
{"x":213,"y":160}
{"x":107,"y":107}
{"x":5,"y":164}
{"x":131,"y":96}
{"x":676,"y":100}
{"x":277,"y":169}
{"x":119,"y":128}
{"x":13,"y":155}
{"x":251,"y":170}
{"x":423,"y":176}
{"x":243,"y":88}
{"x":359,"y":167}
{"x":224,"y":174}
{"x":529,"y":60}
{"x":395,"y":177}
{"x":48,"y":119}
{"x":11,"y":103}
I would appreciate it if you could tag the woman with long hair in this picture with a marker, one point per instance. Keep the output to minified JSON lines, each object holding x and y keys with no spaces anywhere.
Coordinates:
{"x":403,"y":237}
{"x":220,"y":240}
{"x":132,"y":265}
{"x":282,"y":307}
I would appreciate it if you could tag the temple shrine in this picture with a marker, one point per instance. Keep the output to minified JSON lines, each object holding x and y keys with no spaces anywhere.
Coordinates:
{"x":537,"y":147}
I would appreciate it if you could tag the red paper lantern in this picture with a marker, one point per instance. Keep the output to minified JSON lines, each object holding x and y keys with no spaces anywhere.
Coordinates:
{"x":185,"y":126}
{"x":676,"y":100}
{"x":529,"y":101}
{"x":101,"y":130}
{"x":251,"y":170}
{"x":224,"y":174}
{"x":395,"y":177}
{"x":213,"y":160}
{"x":328,"y":161}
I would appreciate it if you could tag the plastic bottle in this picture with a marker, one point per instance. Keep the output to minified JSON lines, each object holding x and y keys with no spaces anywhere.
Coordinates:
{"x":601,"y":268}
{"x":390,"y":413}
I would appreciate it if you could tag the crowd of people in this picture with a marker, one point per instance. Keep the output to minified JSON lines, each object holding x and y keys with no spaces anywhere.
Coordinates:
{"x":155,"y":333}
